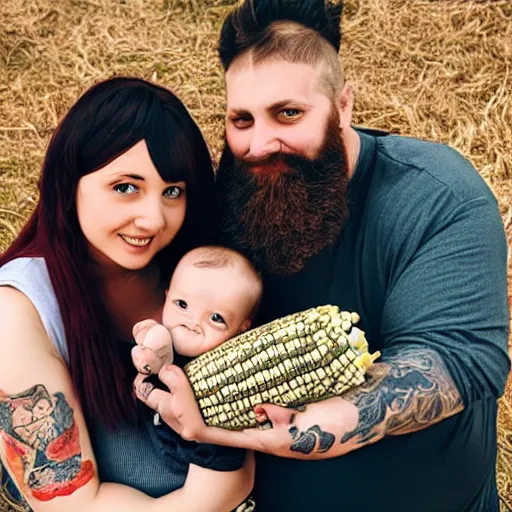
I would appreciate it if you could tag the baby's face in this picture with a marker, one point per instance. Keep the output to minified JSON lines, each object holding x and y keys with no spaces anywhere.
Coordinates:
{"x":205,"y":307}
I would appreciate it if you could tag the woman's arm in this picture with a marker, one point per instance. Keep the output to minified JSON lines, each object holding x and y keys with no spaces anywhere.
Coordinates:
{"x":219,"y":490}
{"x":55,"y":467}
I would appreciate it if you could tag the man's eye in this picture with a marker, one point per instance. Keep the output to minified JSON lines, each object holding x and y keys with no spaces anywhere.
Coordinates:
{"x":290,"y":113}
{"x":126,"y":188}
{"x":217,"y":318}
{"x":173,"y":192}
{"x":180,"y":303}
{"x":242,"y":122}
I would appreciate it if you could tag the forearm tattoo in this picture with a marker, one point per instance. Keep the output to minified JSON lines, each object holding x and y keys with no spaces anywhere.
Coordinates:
{"x":39,"y":440}
{"x":313,"y":439}
{"x":408,"y":392}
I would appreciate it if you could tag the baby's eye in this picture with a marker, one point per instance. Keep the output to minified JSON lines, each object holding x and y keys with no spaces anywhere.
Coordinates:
{"x":180,"y":303}
{"x":173,"y":192}
{"x":126,"y":188}
{"x":218,"y":319}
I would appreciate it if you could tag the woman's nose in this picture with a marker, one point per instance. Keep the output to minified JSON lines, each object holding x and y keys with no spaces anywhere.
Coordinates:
{"x":151,"y":217}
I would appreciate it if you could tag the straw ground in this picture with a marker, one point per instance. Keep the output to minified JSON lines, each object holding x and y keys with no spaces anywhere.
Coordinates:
{"x":435,"y":70}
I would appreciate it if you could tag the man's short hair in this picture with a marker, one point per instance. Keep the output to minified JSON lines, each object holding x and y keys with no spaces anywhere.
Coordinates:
{"x":305,"y":32}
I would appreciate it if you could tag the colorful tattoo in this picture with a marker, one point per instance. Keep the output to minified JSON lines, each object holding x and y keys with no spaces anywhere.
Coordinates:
{"x":40,"y":442}
{"x":408,"y":392}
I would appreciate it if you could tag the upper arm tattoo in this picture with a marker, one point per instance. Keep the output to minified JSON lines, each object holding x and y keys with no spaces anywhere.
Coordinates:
{"x":40,"y":442}
{"x":410,"y":391}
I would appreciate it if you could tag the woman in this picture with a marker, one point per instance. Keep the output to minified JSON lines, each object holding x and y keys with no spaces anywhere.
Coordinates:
{"x":126,"y":188}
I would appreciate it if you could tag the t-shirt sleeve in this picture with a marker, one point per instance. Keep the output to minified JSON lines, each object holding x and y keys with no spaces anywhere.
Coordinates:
{"x":449,"y":294}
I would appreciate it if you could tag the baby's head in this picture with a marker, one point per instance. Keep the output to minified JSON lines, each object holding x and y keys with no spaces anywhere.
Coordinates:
{"x":213,"y":296}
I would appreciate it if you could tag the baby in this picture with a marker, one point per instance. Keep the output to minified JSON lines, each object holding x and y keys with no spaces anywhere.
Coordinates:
{"x":213,"y":296}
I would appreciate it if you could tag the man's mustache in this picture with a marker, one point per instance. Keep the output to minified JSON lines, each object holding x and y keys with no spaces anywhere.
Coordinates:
{"x":282,"y":161}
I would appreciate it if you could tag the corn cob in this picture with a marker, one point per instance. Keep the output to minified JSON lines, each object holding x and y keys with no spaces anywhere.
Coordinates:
{"x":301,"y":358}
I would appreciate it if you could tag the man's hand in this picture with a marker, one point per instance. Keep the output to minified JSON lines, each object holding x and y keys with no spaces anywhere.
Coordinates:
{"x":409,"y":391}
{"x":177,"y":407}
{"x":291,"y":435}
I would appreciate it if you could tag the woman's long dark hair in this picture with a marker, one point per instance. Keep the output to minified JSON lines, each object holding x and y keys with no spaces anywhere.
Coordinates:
{"x":106,"y":121}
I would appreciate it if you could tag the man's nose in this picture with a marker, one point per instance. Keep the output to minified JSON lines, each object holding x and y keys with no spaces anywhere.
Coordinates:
{"x":263,"y":142}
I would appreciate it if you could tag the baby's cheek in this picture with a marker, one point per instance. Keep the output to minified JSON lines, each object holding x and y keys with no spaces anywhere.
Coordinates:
{"x":179,"y":340}
{"x":215,"y":339}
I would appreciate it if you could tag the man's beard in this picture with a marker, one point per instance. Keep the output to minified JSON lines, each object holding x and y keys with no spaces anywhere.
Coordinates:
{"x":281,"y":220}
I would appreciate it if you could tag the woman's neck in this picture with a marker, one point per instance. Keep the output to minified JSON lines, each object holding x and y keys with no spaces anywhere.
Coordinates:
{"x":130,"y":296}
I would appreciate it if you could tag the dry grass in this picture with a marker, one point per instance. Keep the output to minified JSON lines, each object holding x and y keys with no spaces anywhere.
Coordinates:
{"x":436,"y":70}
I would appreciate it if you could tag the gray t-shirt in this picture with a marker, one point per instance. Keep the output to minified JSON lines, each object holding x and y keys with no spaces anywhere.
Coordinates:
{"x":422,"y":259}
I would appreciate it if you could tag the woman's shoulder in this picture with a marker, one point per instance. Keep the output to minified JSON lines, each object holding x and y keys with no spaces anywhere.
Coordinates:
{"x":19,"y":321}
{"x":27,"y":295}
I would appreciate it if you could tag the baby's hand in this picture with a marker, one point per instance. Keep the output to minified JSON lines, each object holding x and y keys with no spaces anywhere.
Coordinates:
{"x":154,"y":347}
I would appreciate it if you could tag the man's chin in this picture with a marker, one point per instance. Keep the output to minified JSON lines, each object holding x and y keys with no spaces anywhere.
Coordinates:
{"x":271,"y":172}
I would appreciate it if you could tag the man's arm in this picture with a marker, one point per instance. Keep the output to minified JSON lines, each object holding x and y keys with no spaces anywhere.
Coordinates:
{"x":409,"y":391}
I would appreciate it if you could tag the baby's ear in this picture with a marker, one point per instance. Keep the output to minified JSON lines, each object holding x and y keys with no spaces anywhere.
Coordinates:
{"x":245,"y":326}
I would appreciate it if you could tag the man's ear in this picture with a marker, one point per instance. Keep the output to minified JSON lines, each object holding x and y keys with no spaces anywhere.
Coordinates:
{"x":345,"y":104}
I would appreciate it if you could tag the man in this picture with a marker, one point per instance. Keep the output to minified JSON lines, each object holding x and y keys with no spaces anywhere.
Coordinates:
{"x":402,"y":231}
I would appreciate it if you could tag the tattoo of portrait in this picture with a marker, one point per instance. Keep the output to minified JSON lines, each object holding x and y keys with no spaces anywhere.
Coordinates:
{"x":40,"y":441}
{"x":408,"y":392}
{"x":313,"y":437}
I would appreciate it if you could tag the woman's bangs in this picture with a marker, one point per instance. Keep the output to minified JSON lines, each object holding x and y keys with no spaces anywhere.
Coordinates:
{"x":169,"y":146}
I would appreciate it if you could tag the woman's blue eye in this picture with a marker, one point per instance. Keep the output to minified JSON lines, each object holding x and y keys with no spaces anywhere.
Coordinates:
{"x":180,"y":303}
{"x":217,"y":318}
{"x":173,"y":192}
{"x":126,"y":188}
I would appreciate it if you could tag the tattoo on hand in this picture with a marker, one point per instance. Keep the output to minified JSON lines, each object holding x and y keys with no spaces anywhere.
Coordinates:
{"x":406,"y":393}
{"x":40,"y":440}
{"x":313,"y":437}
